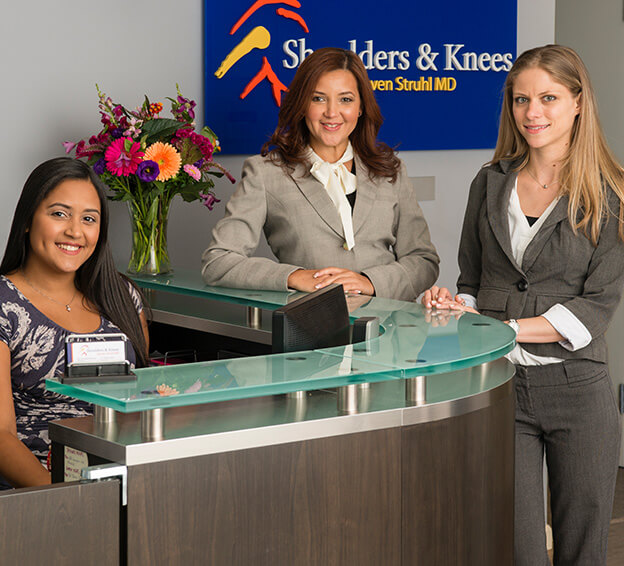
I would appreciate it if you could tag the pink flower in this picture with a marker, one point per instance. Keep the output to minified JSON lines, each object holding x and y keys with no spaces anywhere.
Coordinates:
{"x":123,"y":157}
{"x":69,"y":146}
{"x":192,"y":171}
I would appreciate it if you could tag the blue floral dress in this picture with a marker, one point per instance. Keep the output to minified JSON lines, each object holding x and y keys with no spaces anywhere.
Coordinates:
{"x":37,"y":346}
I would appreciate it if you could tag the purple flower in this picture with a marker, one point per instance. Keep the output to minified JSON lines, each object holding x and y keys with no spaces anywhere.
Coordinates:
{"x":208,"y":200}
{"x":147,"y":171}
{"x":117,"y":133}
{"x":187,"y":105}
{"x":100,"y":166}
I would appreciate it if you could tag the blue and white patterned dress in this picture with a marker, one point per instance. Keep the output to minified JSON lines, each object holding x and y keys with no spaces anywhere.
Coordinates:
{"x":37,"y":346}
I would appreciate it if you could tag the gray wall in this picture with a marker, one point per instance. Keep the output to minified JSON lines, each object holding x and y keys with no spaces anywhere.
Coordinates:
{"x":596,"y":31}
{"x":54,"y":52}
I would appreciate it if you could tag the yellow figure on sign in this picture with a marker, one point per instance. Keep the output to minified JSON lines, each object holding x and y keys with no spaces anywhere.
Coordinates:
{"x":258,"y":38}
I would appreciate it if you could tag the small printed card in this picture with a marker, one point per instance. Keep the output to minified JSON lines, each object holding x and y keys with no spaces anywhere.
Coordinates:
{"x":75,"y":460}
{"x":96,"y":349}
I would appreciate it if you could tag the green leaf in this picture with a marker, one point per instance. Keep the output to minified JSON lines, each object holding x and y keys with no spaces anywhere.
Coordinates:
{"x":217,"y":174}
{"x":153,"y":212}
{"x":160,"y":129}
{"x":119,"y":196}
{"x":204,"y":186}
{"x":189,"y":151}
{"x":190,"y":192}
{"x":207,"y":132}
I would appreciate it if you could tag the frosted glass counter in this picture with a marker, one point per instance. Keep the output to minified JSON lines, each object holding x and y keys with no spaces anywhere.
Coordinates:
{"x":414,"y":342}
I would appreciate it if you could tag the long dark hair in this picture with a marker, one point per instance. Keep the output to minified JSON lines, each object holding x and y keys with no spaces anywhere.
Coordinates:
{"x":287,"y":146}
{"x":97,"y":279}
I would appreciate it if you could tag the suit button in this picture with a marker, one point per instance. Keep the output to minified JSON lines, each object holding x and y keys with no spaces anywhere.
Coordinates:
{"x":522,"y":285}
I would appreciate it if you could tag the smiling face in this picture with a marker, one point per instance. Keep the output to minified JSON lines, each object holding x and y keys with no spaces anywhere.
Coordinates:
{"x":65,"y":227}
{"x":544,"y":111}
{"x":333,"y":114}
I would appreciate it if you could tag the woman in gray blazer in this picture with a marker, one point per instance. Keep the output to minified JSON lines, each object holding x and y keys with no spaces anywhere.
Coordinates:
{"x":542,"y":248}
{"x":335,"y":205}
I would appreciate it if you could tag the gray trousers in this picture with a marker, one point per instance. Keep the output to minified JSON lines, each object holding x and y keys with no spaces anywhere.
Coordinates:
{"x":569,"y":412}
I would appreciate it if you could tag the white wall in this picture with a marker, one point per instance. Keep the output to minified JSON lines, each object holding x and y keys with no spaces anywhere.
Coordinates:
{"x":595,"y":31}
{"x":53,"y":53}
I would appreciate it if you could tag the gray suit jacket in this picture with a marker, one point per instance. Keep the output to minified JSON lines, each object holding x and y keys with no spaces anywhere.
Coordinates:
{"x":559,"y":266}
{"x":302,"y":227}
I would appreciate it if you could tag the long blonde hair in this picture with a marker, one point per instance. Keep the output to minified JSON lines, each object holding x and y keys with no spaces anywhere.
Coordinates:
{"x":589,"y":166}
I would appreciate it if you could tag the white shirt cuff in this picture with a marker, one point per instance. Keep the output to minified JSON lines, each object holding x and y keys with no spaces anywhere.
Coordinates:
{"x":469,"y":300}
{"x":575,"y":333}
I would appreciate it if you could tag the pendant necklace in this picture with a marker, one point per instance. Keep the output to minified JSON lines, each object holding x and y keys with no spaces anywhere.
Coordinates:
{"x":543,"y":185}
{"x":66,"y":305}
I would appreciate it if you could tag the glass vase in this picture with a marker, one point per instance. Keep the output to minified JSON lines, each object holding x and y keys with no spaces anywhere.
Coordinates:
{"x":149,"y":255}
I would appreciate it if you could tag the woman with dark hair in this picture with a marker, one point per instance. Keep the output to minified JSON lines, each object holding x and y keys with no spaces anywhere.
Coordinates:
{"x":335,"y":204}
{"x":57,"y":277}
{"x":542,"y":249}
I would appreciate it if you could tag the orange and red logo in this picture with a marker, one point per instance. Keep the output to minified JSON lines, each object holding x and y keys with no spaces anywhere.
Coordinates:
{"x":260,"y":38}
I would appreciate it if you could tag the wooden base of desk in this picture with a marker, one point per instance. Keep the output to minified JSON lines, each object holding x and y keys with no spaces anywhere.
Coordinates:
{"x":436,"y":493}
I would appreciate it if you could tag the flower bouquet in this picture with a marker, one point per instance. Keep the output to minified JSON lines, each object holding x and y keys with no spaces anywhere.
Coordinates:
{"x":146,"y":161}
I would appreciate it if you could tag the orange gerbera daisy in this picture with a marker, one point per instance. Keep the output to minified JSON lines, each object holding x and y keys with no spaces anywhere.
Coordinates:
{"x":167,"y":157}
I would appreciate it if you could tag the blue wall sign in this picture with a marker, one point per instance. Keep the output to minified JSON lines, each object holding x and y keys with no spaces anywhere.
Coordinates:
{"x":437,"y":68}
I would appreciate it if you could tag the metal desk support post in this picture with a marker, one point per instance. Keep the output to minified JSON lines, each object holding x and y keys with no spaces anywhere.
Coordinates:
{"x":254,"y":317}
{"x":152,"y":425}
{"x":416,"y":390}
{"x":348,"y":399}
{"x":104,"y":415}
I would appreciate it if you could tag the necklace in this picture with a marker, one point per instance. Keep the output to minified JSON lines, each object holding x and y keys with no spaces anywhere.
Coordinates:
{"x":66,"y":305}
{"x":543,"y":185}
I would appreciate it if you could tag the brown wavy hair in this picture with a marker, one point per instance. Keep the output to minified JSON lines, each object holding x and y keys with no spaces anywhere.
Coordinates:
{"x":288,"y":145}
{"x":589,"y":166}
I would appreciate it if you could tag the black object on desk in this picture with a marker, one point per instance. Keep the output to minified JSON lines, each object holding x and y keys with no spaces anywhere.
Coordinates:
{"x":318,"y":320}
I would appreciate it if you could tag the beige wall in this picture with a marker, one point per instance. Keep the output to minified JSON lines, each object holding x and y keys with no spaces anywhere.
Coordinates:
{"x":596,"y":31}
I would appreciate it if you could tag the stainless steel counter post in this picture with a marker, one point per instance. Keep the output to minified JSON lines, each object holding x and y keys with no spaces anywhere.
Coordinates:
{"x":416,"y":390}
{"x":297,"y":405}
{"x":254,"y":317}
{"x":104,"y":415}
{"x":152,"y":425}
{"x":348,"y":399}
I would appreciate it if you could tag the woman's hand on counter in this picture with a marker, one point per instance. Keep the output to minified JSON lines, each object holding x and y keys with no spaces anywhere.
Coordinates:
{"x":436,"y":295}
{"x":303,"y":280}
{"x":441,"y":298}
{"x":310,"y":280}
{"x":351,"y":281}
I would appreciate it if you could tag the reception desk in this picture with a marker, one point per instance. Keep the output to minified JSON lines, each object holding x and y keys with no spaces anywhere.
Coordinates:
{"x":397,"y":450}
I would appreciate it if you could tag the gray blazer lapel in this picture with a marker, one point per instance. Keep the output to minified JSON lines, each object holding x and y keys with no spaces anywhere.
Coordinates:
{"x":318,"y":198}
{"x":558,"y":214}
{"x":366,"y":195}
{"x":499,"y":186}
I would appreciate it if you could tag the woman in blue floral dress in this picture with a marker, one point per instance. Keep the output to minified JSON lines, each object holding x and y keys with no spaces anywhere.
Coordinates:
{"x":57,"y":277}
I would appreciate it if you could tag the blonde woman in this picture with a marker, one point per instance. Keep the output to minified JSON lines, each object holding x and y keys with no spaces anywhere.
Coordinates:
{"x":542,"y":248}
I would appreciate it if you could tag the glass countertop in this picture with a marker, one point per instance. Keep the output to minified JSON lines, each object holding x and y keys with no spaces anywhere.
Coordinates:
{"x":189,"y":282}
{"x":415,"y":341}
